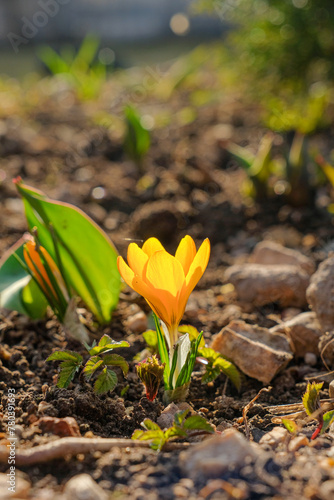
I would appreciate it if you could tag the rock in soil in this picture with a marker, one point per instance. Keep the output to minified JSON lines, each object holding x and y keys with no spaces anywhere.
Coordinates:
{"x":216,"y":455}
{"x":257,"y":352}
{"x":320,"y":294}
{"x":326,"y":348}
{"x":275,"y":437}
{"x":21,"y":487}
{"x":303,"y":331}
{"x":83,"y":487}
{"x":259,"y":285}
{"x":271,"y":253}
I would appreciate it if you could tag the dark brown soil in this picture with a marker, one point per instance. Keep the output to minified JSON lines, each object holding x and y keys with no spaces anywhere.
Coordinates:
{"x":193,"y":189}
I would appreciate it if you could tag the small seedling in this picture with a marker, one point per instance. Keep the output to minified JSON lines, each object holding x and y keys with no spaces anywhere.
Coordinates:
{"x":183,"y":428}
{"x":151,"y":373}
{"x":72,"y":362}
{"x":216,"y":364}
{"x":137,"y":138}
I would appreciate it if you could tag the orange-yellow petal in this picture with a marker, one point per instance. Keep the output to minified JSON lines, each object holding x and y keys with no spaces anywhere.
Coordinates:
{"x":165,"y":272}
{"x":125,"y":271}
{"x":137,"y":259}
{"x":33,"y":261}
{"x":152,"y":245}
{"x":198,"y":266}
{"x":186,"y":252}
{"x":159,"y":300}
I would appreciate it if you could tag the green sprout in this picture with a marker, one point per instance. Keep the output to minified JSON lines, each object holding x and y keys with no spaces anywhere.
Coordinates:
{"x":182,"y":428}
{"x":137,"y":138}
{"x":100,"y":360}
{"x":79,"y":69}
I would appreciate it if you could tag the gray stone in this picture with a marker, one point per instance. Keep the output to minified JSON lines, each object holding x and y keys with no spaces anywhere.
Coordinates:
{"x":271,"y":253}
{"x":83,"y":487}
{"x":214,"y":456}
{"x":320,"y":294}
{"x":257,"y":352}
{"x":259,"y":285}
{"x":303,"y":331}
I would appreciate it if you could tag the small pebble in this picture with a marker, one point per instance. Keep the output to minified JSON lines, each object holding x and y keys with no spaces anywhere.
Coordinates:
{"x":310,"y":359}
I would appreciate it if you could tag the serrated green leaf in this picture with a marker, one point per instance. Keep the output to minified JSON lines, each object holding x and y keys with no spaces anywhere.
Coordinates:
{"x":106,"y":381}
{"x":92,"y":365}
{"x":217,"y":362}
{"x":149,"y":425}
{"x":137,"y":434}
{"x":87,"y":254}
{"x":311,"y":398}
{"x":196,"y":423}
{"x":290,"y":425}
{"x":210,"y":374}
{"x":328,"y":420}
{"x":210,"y":354}
{"x":116,"y":360}
{"x":107,"y":344}
{"x":18,"y":291}
{"x":65,"y":356}
{"x":67,"y":371}
{"x":180,"y":416}
{"x":175,"y":432}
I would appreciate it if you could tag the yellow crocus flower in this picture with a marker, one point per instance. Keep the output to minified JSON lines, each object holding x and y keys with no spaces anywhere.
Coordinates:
{"x":164,"y":280}
{"x":36,"y":266}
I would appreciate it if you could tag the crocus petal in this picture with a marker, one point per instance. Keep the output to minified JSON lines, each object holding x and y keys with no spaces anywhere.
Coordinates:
{"x":186,"y":252}
{"x":195,"y":272}
{"x":137,"y":259}
{"x":200,"y":262}
{"x":125,"y":271}
{"x":165,"y":272}
{"x":158,"y":300}
{"x":152,"y":245}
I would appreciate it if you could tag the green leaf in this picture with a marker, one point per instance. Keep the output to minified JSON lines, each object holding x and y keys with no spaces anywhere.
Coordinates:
{"x":328,"y":420}
{"x":157,"y":438}
{"x":18,"y":291}
{"x":229,"y":370}
{"x":216,"y":364}
{"x":149,"y":425}
{"x":210,"y":354}
{"x":173,"y":432}
{"x":106,"y":344}
{"x":137,"y":138}
{"x":150,"y":337}
{"x":196,"y":422}
{"x":116,"y":360}
{"x":210,"y":374}
{"x":137,"y":434}
{"x":65,"y":356}
{"x":311,"y":398}
{"x":188,"y":367}
{"x":180,"y":416}
{"x":87,"y":254}
{"x":67,"y":371}
{"x":290,"y":425}
{"x":162,"y":347}
{"x":106,"y":381}
{"x":92,"y":365}
{"x":192,"y":332}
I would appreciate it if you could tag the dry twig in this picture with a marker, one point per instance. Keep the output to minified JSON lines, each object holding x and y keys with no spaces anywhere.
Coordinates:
{"x":74,"y":446}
